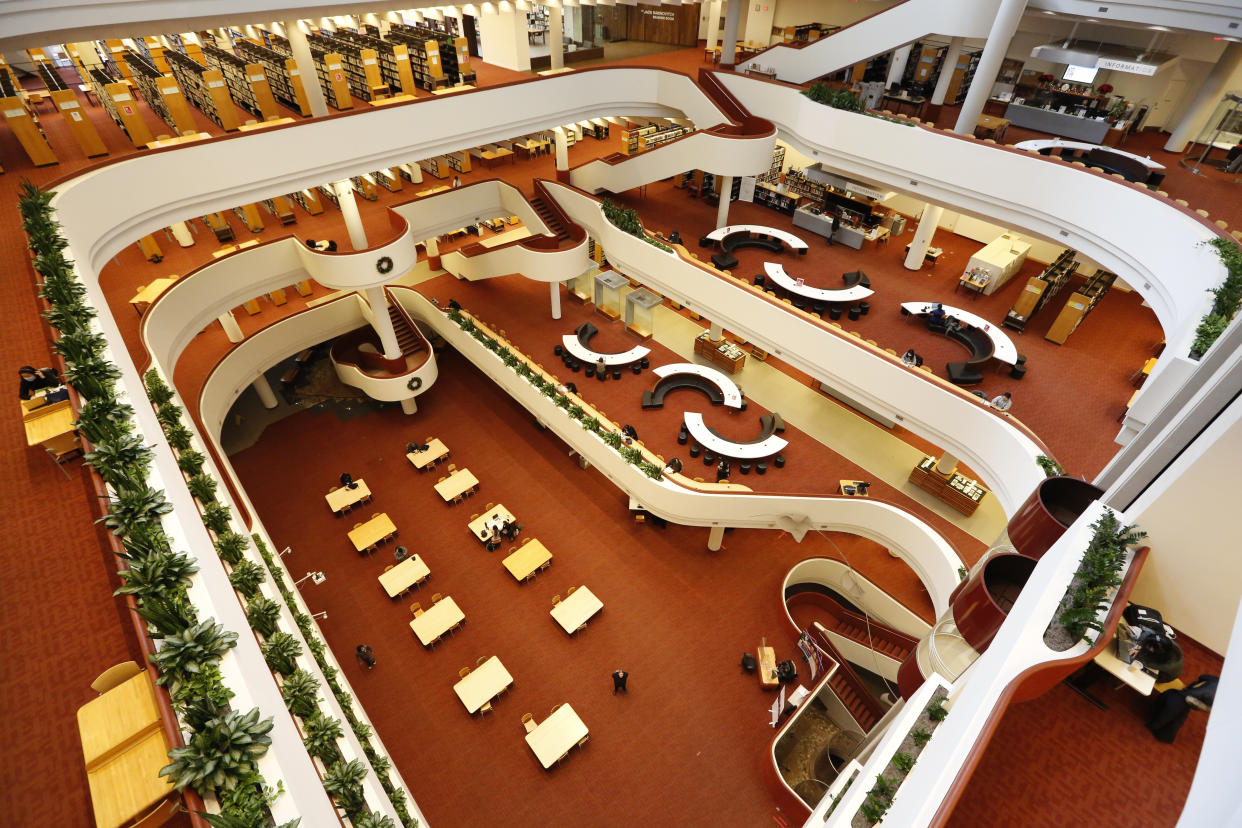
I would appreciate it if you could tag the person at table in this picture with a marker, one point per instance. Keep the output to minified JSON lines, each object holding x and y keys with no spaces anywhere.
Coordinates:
{"x":601,"y":367}
{"x":510,"y":530}
{"x":722,"y":470}
{"x":911,"y":359}
{"x":400,"y":554}
{"x":456,"y":181}
{"x":1002,"y":402}
{"x":415,"y":448}
{"x":347,"y":480}
{"x":1174,"y":706}
{"x":674,"y":466}
{"x":35,"y":379}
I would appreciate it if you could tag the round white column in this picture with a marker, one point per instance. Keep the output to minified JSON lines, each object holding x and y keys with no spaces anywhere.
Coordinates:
{"x":722,"y":208}
{"x":353,"y":219}
{"x":946,"y":70}
{"x":1008,"y":15}
{"x":728,"y":49}
{"x":306,"y":67}
{"x":556,"y":299}
{"x":923,"y":236}
{"x":264,"y":389}
{"x":562,"y":149}
{"x":409,"y":405}
{"x":1209,"y":93}
{"x":713,"y":24}
{"x":231,"y":329}
{"x":556,"y":37}
{"x":897,"y":66}
{"x":715,"y":538}
{"x":716,"y":332}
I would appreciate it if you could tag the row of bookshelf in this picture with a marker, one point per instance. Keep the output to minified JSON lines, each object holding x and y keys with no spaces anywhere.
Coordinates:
{"x":280,"y":71}
{"x":190,"y":76}
{"x":773,"y":173}
{"x":634,"y":141}
{"x":99,"y":80}
{"x":233,"y":69}
{"x":145,"y":77}
{"x":388,"y":55}
{"x":354,"y":62}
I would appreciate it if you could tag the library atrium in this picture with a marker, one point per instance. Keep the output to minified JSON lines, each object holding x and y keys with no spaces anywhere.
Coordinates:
{"x":409,"y":435}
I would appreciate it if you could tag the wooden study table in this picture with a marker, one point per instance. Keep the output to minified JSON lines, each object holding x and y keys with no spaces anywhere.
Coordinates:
{"x":552,"y":739}
{"x":854,"y":485}
{"x":479,"y":526}
{"x":516,"y":234}
{"x":456,"y":485}
{"x":435,"y":622}
{"x":527,"y":560}
{"x":450,"y":90}
{"x":992,"y":127}
{"x":767,"y":667}
{"x":485,"y":682}
{"x":375,"y":530}
{"x":577,"y":609}
{"x":436,"y":451}
{"x":143,"y":298}
{"x":233,"y":248}
{"x":345,"y":498}
{"x":493,"y":157}
{"x":404,"y":575}
{"x":530,"y":147}
{"x":264,"y":124}
{"x":181,"y":139}
{"x":124,"y":747}
{"x":45,"y":424}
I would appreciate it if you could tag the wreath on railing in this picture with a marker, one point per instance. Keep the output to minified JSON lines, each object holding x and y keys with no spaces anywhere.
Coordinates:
{"x":415,"y":383}
{"x":384,"y":265}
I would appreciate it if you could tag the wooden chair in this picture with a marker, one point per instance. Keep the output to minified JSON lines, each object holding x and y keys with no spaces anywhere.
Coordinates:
{"x":357,"y":525}
{"x":388,"y":567}
{"x":1223,"y":225}
{"x":442,"y":479}
{"x":556,"y":599}
{"x":528,"y":722}
{"x":485,"y":708}
{"x":524,"y":541}
{"x":463,"y":672}
{"x":480,"y":661}
{"x":416,"y":609}
{"x":474,"y":517}
{"x":375,"y":515}
{"x":452,"y":468}
{"x":571,"y":591}
{"x":428,"y":440}
{"x":1203,"y":213}
{"x":488,"y":508}
{"x":581,"y":627}
{"x":1181,"y":201}
{"x":435,"y":599}
{"x":115,"y":676}
{"x":333,"y":489}
{"x":582,"y":742}
{"x":512,"y":549}
{"x":555,"y":708}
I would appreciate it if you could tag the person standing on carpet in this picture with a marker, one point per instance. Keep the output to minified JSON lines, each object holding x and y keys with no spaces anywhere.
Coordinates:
{"x":618,"y":682}
{"x":365,"y":656}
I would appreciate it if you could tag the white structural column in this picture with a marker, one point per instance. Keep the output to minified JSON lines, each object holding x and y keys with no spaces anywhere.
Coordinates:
{"x":306,"y":67}
{"x":561,"y":145}
{"x":231,"y":329}
{"x":1209,"y":93}
{"x":382,"y":322}
{"x":923,"y":236}
{"x":717,"y":332}
{"x":722,"y":208}
{"x":182,"y":233}
{"x":715,"y":538}
{"x":946,"y":70}
{"x":556,"y":37}
{"x":1008,"y":15}
{"x":504,"y":38}
{"x":728,"y":49}
{"x":264,"y":389}
{"x":947,"y":464}
{"x":409,"y":405}
{"x":897,"y":63}
{"x":713,"y":24}
{"x":353,"y":219}
{"x":556,"y":299}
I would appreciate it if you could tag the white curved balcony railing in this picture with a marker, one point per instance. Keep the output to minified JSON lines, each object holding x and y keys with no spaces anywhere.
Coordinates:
{"x":1001,"y":454}
{"x":361,"y":269}
{"x":861,"y":592}
{"x":389,"y":389}
{"x":437,"y":214}
{"x":722,"y":153}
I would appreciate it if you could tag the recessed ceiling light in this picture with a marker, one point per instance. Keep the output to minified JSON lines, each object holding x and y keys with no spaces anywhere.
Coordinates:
{"x":1160,"y":28}
{"x":1054,"y":14}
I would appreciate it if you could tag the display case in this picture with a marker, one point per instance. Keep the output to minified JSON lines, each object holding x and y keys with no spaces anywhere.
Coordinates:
{"x":640,"y":308}
{"x":954,"y":489}
{"x":608,"y":296}
{"x":722,"y":353}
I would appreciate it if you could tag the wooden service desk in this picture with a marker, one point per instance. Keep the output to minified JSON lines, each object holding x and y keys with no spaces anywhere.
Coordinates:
{"x":527,"y":560}
{"x":552,"y":740}
{"x":436,"y":451}
{"x":484,"y":683}
{"x":456,"y":485}
{"x":345,"y":498}
{"x":123,"y":746}
{"x":372,"y":532}
{"x":404,"y":575}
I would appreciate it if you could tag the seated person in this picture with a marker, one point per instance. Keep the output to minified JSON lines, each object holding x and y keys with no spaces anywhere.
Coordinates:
{"x":493,"y":543}
{"x":510,"y":530}
{"x":674,"y":466}
{"x":1173,"y":707}
{"x":454,"y":304}
{"x":1002,"y":402}
{"x":415,"y":448}
{"x":1159,"y":653}
{"x":722,"y":470}
{"x":911,"y":358}
{"x":400,"y":554}
{"x":937,"y":312}
{"x":347,"y":480}
{"x":629,"y":431}
{"x":33,"y":379}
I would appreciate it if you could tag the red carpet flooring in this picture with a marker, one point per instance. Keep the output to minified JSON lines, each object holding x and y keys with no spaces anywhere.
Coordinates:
{"x":62,"y":633}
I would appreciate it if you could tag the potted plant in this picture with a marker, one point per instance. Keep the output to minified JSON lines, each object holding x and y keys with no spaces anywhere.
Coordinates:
{"x":322,"y":731}
{"x":221,"y":753}
{"x":246,"y":578}
{"x":262,"y":613}
{"x":281,"y":651}
{"x":301,"y":693}
{"x":183,"y":653}
{"x":343,"y":782}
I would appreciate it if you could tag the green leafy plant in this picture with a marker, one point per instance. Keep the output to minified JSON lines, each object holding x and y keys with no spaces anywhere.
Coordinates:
{"x":374,"y":819}
{"x":220,"y":754}
{"x":104,"y":418}
{"x":591,"y":424}
{"x":962,"y":572}
{"x":652,"y":470}
{"x":1051,"y":467}
{"x":1226,"y":297}
{"x":191,"y":461}
{"x":631,"y":455}
{"x":903,"y":762}
{"x":343,"y":782}
{"x":1098,"y":573}
{"x":936,"y":710}
{"x":1207,"y":333}
{"x":822,"y":93}
{"x":156,"y":574}
{"x":157,"y":389}
{"x":178,"y":436}
{"x":216,"y":518}
{"x":184,"y":653}
{"x":281,"y":651}
{"x":81,"y":346}
{"x":231,"y":547}
{"x":168,"y":413}
{"x":322,"y":732}
{"x":167,"y":614}
{"x":263,"y":614}
{"x":246,"y":578}
{"x":920,"y":737}
{"x":93,"y":377}
{"x":576,"y":412}
{"x":207,"y":686}
{"x":301,"y":693}
{"x":612,"y":439}
{"x":69,"y":319}
{"x":133,"y":505}
{"x":123,"y":461}
{"x":203,"y":487}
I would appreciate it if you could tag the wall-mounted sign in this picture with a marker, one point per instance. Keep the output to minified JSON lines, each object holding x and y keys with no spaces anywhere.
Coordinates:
{"x":1131,"y":66}
{"x":656,"y":14}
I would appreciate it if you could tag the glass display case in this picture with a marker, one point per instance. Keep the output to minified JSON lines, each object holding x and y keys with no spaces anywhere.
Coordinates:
{"x":608,"y":287}
{"x":1221,"y":132}
{"x":640,"y":308}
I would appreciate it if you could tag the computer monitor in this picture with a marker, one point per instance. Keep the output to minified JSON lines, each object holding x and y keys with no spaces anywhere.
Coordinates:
{"x":1080,"y":74}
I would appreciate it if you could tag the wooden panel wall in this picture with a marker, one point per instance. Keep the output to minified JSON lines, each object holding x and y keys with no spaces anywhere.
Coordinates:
{"x":677,"y":25}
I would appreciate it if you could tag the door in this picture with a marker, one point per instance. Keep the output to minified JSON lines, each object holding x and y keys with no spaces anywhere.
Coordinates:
{"x":471,"y":34}
{"x":1164,"y":110}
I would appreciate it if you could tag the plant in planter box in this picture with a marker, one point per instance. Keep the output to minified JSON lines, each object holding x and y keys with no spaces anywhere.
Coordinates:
{"x":591,"y":424}
{"x":231,"y":547}
{"x":61,"y":288}
{"x":920,"y":737}
{"x":104,"y":418}
{"x":263,"y":614}
{"x":936,"y":710}
{"x":612,"y":439}
{"x":220,"y":754}
{"x":246,"y":577}
{"x":343,"y":782}
{"x":374,"y":819}
{"x":301,"y":693}
{"x":281,"y":651}
{"x":168,"y":614}
{"x":1098,"y":573}
{"x":201,"y":691}
{"x":80,"y":346}
{"x":203,"y":487}
{"x":178,"y":436}
{"x":246,"y":805}
{"x":631,"y":455}
{"x":523,"y":370}
{"x":903,"y":762}
{"x":93,"y":378}
{"x":157,"y":390}
{"x":1208,"y":332}
{"x":1051,"y":467}
{"x":156,"y":574}
{"x":216,"y":518}
{"x":561,"y":401}
{"x":576,"y":412}
{"x":322,"y":731}
{"x":69,"y":318}
{"x":134,"y":505}
{"x":652,"y":470}
{"x":121,"y":461}
{"x":191,"y":461}
{"x":168,"y":413}
{"x":183,"y":653}
{"x":509,"y":359}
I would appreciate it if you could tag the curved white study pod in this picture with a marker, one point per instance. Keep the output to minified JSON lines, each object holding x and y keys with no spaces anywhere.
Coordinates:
{"x":903,"y":534}
{"x":1002,"y":455}
{"x":861,"y":592}
{"x":360,"y":269}
{"x":389,"y":389}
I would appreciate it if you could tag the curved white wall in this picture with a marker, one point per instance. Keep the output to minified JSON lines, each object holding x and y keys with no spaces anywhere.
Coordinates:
{"x":389,"y":389}
{"x":437,"y":214}
{"x":536,"y":265}
{"x":720,"y":154}
{"x":861,"y":592}
{"x":357,"y":270}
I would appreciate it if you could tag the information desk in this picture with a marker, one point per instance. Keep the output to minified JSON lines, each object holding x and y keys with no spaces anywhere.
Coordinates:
{"x":576,"y":609}
{"x":776,"y":273}
{"x":484,"y":683}
{"x":404,"y":575}
{"x":732,"y":394}
{"x":957,"y":490}
{"x":124,"y":747}
{"x":788,"y":238}
{"x":527,"y":560}
{"x":552,"y":740}
{"x":1005,"y":350}
{"x":345,"y":498}
{"x":1001,"y":258}
{"x":576,"y":349}
{"x":1057,"y":123}
{"x":436,"y":621}
{"x":701,"y":434}
{"x":436,"y":451}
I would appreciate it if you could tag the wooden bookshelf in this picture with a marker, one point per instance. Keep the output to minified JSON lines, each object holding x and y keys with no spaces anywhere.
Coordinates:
{"x":437,"y":167}
{"x":634,"y":141}
{"x":250,"y":216}
{"x":954,"y":489}
{"x":206,"y":88}
{"x":24,"y":124}
{"x":233,"y":70}
{"x":308,"y":200}
{"x":364,"y":185}
{"x":276,"y":69}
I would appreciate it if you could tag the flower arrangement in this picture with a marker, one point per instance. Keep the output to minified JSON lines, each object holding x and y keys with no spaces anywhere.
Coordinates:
{"x":1105,"y":88}
{"x":1045,"y":78}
